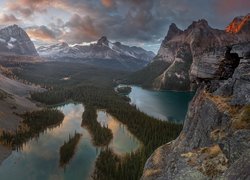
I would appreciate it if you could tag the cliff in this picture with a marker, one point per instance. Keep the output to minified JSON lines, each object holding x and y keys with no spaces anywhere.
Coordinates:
{"x":215,"y":140}
{"x":183,"y":51}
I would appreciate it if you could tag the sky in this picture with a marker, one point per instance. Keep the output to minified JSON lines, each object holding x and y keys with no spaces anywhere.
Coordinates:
{"x":142,"y":23}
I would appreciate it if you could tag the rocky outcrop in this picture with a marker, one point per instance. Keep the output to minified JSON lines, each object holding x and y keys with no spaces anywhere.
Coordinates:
{"x":240,"y":24}
{"x":195,"y":52}
{"x":14,"y":40}
{"x":215,"y":140}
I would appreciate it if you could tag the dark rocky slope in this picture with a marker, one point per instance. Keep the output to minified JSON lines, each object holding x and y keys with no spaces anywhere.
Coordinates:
{"x":215,"y":140}
{"x":14,"y":40}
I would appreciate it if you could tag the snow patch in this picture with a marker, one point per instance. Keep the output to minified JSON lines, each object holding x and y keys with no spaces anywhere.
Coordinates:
{"x":10,"y":46}
{"x":2,"y":40}
{"x":12,"y":39}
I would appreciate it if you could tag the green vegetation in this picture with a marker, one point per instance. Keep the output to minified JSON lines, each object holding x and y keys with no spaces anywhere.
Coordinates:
{"x":33,"y":124}
{"x":124,"y":90}
{"x":150,"y":131}
{"x":146,"y":76}
{"x":110,"y":166}
{"x":67,"y":150}
{"x":101,"y":135}
{"x":106,"y":172}
{"x":94,"y":88}
{"x":51,"y":74}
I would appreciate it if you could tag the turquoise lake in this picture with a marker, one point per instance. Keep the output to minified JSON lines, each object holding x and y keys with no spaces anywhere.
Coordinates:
{"x":164,"y":105}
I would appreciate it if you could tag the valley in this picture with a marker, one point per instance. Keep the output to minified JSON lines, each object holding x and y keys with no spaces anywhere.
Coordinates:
{"x":88,"y":96}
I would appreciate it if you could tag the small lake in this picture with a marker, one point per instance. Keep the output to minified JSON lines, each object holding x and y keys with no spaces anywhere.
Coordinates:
{"x":164,"y":105}
{"x":39,"y":158}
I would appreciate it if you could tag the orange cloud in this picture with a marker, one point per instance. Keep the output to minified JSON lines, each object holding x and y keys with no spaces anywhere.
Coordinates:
{"x":8,"y":19}
{"x":41,"y":33}
{"x":107,"y":3}
{"x":225,"y":7}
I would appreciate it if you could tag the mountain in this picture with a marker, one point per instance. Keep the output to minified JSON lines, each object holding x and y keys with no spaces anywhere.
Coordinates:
{"x":214,"y":142}
{"x":182,"y":51}
{"x":123,"y":56}
{"x":14,"y":40}
{"x":240,"y":24}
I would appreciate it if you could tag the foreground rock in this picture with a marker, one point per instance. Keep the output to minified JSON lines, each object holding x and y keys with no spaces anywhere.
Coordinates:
{"x":215,"y":140}
{"x":13,"y":100}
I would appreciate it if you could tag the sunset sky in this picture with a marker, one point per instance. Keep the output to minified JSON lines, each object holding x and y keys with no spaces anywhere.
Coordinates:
{"x":135,"y":22}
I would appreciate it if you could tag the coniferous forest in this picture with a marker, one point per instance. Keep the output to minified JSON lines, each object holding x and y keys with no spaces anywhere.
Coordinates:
{"x":151,"y":132}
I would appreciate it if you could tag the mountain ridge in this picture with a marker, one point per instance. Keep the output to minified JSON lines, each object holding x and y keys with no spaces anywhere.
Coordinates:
{"x":103,"y":48}
{"x":182,"y":50}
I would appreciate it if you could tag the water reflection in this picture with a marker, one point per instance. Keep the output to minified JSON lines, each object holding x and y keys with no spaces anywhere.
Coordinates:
{"x":39,"y":158}
{"x":123,"y":141}
{"x":164,"y":105}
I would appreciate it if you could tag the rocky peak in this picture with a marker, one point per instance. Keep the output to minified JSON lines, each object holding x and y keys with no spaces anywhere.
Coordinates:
{"x":117,"y":43}
{"x":103,"y":41}
{"x":239,"y":24}
{"x":15,"y":40}
{"x":173,"y":31}
{"x":202,"y":23}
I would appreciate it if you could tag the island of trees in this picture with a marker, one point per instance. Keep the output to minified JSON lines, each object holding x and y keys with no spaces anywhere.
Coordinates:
{"x":95,"y":88}
{"x":67,"y":150}
{"x":101,"y":136}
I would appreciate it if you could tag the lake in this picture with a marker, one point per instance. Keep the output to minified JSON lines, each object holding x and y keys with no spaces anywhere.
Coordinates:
{"x":164,"y":105}
{"x":39,"y":158}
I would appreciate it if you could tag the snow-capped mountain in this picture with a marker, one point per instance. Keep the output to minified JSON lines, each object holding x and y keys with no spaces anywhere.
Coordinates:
{"x":14,"y":40}
{"x":193,"y":52}
{"x":103,"y":49}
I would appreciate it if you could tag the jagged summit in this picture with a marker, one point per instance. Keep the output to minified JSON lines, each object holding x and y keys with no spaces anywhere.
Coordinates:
{"x":182,"y":52}
{"x":103,"y":41}
{"x":173,"y":31}
{"x":14,"y":40}
{"x":239,"y":24}
{"x":102,"y":50}
{"x":202,"y":23}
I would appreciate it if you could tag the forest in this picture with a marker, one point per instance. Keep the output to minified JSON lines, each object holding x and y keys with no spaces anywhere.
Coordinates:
{"x":100,"y":94}
{"x":101,"y":136}
{"x":34,"y":123}
{"x":67,"y":150}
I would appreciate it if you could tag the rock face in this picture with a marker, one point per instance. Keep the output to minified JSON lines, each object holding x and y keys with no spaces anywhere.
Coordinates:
{"x":14,"y":40}
{"x":102,"y":50}
{"x":198,"y":46}
{"x":240,"y":24}
{"x":215,"y":140}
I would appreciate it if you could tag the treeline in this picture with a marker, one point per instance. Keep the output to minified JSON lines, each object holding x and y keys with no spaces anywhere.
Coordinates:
{"x":124,"y":90}
{"x":150,"y":131}
{"x":109,"y":166}
{"x":101,"y":136}
{"x":67,"y":150}
{"x":33,"y":124}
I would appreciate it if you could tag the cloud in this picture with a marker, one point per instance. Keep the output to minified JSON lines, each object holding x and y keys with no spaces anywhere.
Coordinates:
{"x":132,"y":21}
{"x":107,"y":3}
{"x":227,"y":7}
{"x":80,"y":29}
{"x":42,"y":33}
{"x":8,"y":19}
{"x":27,"y":7}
